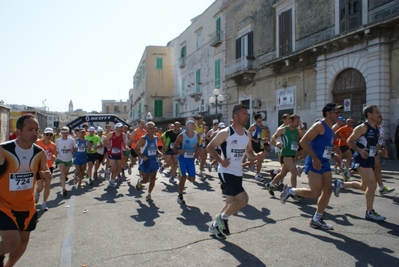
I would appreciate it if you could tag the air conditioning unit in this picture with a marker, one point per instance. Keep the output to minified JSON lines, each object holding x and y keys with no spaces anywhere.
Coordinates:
{"x":256,"y":103}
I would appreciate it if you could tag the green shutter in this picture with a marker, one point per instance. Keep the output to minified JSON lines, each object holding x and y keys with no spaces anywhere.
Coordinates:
{"x":217,"y":73}
{"x":158,"y":108}
{"x":159,"y":63}
{"x":176,"y":110}
{"x":218,"y":29}
{"x":198,"y":81}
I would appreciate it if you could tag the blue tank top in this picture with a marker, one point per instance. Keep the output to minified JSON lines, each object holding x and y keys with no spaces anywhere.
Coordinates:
{"x":189,"y":145}
{"x":256,"y":133}
{"x":150,"y":148}
{"x":81,"y":147}
{"x":322,"y":145}
{"x":369,"y":140}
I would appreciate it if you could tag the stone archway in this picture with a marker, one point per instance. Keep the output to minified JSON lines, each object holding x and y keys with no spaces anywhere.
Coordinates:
{"x":350,"y":84}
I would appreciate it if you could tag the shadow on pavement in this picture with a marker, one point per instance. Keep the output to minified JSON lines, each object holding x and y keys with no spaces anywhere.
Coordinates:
{"x":147,"y":214}
{"x":251,"y":213}
{"x":244,"y":257}
{"x":386,"y":224}
{"x":192,"y":216}
{"x":365,"y":254}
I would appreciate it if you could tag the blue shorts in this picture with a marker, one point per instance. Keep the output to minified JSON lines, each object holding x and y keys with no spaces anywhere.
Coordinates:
{"x":186,"y":166}
{"x":148,"y":166}
{"x":358,"y":161}
{"x":325,"y":167}
{"x":232,"y":184}
{"x":80,"y":160}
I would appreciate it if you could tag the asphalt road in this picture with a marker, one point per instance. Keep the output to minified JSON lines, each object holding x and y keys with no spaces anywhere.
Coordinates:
{"x":102,"y":226}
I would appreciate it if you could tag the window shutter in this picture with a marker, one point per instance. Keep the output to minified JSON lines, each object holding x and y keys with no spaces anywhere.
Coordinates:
{"x":285,"y":29}
{"x":218,"y":28}
{"x":251,"y":44}
{"x":238,"y":48}
{"x":280,"y":33}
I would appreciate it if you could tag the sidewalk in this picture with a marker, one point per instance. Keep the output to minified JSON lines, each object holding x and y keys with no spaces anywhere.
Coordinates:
{"x":389,"y":166}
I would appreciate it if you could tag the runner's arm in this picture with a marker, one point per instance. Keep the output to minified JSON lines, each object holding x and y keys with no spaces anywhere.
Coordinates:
{"x":178,"y":141}
{"x":220,"y":137}
{"x":314,"y":131}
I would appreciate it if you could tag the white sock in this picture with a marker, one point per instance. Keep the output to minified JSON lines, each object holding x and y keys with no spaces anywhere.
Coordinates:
{"x":224,"y":216}
{"x":317,"y":216}
{"x":381,"y":187}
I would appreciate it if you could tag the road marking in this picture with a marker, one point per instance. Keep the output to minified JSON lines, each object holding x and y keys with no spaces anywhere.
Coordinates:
{"x":67,"y":240}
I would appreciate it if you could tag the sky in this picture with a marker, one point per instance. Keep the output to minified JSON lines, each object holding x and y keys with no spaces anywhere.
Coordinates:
{"x":86,"y":51}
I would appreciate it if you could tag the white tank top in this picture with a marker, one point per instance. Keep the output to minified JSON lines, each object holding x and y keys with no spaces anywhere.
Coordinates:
{"x":234,"y":149}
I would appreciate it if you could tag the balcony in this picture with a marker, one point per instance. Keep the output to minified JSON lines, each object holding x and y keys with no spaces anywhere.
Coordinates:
{"x":216,"y":38}
{"x":241,"y":70}
{"x":182,"y":63}
{"x":181,"y":100}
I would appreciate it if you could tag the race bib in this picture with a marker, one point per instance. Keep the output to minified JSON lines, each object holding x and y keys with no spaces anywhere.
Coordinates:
{"x":258,"y":136}
{"x":152,"y":152}
{"x":21,"y":181}
{"x":189,"y":154}
{"x":48,"y":154}
{"x":294,"y":146}
{"x":372,"y":151}
{"x":171,"y":145}
{"x":115,"y":150}
{"x":327,"y":152}
{"x":237,"y":154}
{"x":81,"y":149}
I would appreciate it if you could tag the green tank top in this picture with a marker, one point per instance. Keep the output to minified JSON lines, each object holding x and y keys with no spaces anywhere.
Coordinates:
{"x":289,"y":142}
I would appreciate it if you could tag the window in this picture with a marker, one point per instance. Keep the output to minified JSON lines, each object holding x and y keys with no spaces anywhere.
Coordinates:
{"x":198,"y":81}
{"x":159,"y":63}
{"x":285,"y":32}
{"x":217,"y":73}
{"x":158,"y":108}
{"x":177,"y":110}
{"x":199,"y":41}
{"x":183,"y":89}
{"x":218,"y":29}
{"x":183,"y":53}
{"x":349,"y":14}
{"x":124,"y":108}
{"x":107,"y":109}
{"x":245,"y":47}
{"x":139,"y":109}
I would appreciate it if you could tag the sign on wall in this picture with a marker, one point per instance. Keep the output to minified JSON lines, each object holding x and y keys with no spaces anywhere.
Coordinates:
{"x":347,"y":104}
{"x":285,"y":97}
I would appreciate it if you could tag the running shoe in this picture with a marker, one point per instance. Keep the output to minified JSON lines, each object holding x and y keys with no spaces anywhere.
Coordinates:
{"x":64,"y":192}
{"x":386,"y":190}
{"x":95,"y":176}
{"x":346,"y":175}
{"x":172,"y":180}
{"x":112,"y":183}
{"x":44,"y":207}
{"x":300,"y":170}
{"x":138,"y":185}
{"x":215,"y":230}
{"x":259,"y":177}
{"x":90,"y":181}
{"x":296,"y":198}
{"x":280,"y":186}
{"x":219,"y":222}
{"x":37,"y":195}
{"x":148,"y":198}
{"x":285,"y":194}
{"x":180,"y":199}
{"x":337,"y":187}
{"x":209,"y":167}
{"x":374,"y":216}
{"x":161,"y":169}
{"x":320,"y":225}
{"x":201,"y":175}
{"x":270,"y":188}
{"x":272,"y":174}
{"x":226,"y":230}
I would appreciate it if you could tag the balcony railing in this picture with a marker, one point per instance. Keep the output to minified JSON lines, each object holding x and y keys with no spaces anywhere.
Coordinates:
{"x":240,"y":64}
{"x":216,"y":38}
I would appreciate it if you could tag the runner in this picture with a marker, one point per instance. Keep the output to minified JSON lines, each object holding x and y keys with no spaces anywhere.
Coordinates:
{"x":286,"y":121}
{"x":135,"y":137}
{"x":93,"y":143}
{"x":364,"y":141}
{"x":201,"y":152}
{"x":126,"y":152}
{"x":235,"y":142}
{"x":115,"y":141}
{"x":57,"y":134}
{"x":170,"y":157}
{"x":65,"y":146}
{"x":336,"y":126}
{"x":81,"y":157}
{"x":101,"y":151}
{"x":342,"y":135}
{"x":289,"y":147}
{"x":21,"y":163}
{"x":186,"y":145}
{"x":49,"y":149}
{"x":318,"y":145}
{"x":147,"y":151}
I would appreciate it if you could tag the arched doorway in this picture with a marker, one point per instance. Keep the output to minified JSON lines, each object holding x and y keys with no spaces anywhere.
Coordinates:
{"x":350,"y":84}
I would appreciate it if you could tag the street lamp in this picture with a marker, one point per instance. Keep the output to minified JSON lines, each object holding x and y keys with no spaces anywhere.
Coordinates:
{"x":216,"y":99}
{"x":149,"y":116}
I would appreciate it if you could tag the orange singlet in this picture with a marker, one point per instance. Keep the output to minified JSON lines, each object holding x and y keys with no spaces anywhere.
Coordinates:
{"x":137,"y":136}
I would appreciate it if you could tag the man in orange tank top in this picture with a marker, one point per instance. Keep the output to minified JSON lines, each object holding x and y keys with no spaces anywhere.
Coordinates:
{"x":135,"y":137}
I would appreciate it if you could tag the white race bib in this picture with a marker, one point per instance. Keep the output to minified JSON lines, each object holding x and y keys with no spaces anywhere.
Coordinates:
{"x":189,"y":154}
{"x":171,"y":145}
{"x":237,"y":154}
{"x":294,"y":146}
{"x":152,"y":152}
{"x":327,"y":152}
{"x":372,"y":151}
{"x":21,"y":181}
{"x":81,"y":149}
{"x":115,"y":150}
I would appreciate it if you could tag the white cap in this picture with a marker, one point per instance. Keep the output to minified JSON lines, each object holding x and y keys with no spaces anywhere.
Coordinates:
{"x":65,"y":129}
{"x":48,"y":130}
{"x":99,"y":129}
{"x":118,"y":125}
{"x":221,"y":125}
{"x":92,"y":129}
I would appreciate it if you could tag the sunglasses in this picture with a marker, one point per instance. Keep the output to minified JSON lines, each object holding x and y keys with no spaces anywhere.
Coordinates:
{"x":49,"y":134}
{"x":336,"y":111}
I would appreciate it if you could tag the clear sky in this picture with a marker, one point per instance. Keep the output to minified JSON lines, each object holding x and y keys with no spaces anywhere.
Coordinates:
{"x":86,"y":51}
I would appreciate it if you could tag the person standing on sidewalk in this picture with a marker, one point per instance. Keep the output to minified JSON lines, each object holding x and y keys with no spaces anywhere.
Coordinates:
{"x":364,"y":141}
{"x":235,"y":143}
{"x":318,"y":145}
